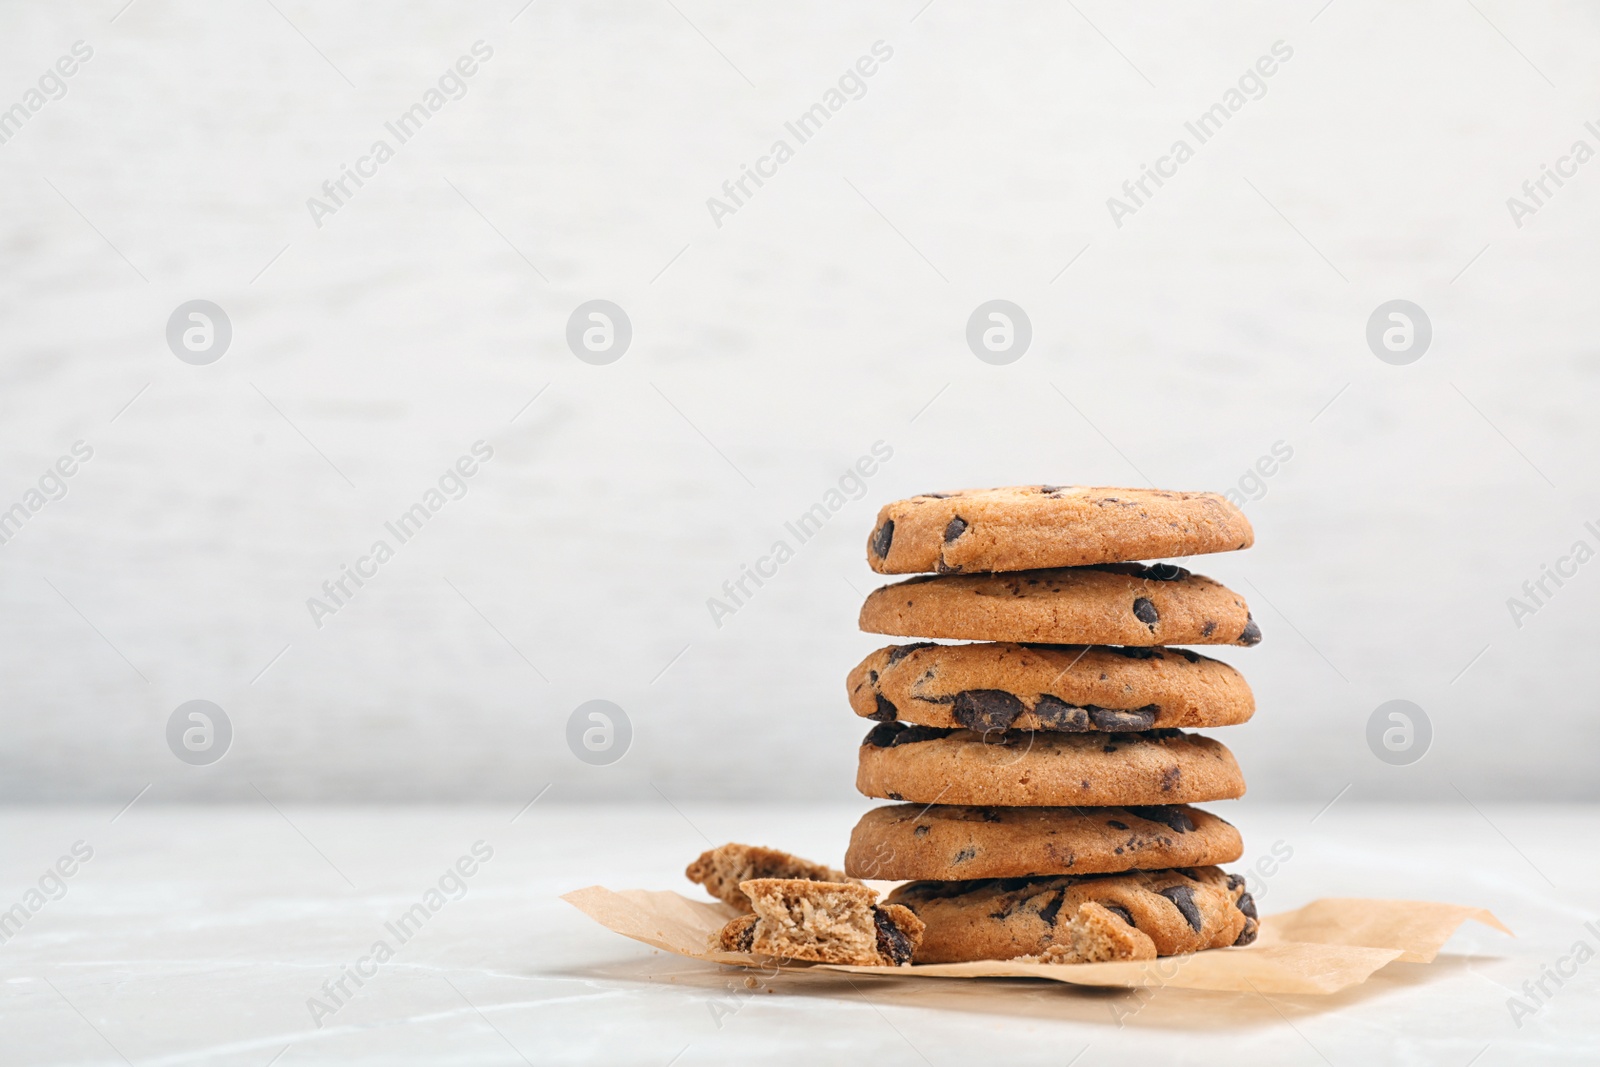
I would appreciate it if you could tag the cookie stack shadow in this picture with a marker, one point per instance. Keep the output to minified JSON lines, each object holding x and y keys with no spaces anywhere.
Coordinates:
{"x":1043,"y":771}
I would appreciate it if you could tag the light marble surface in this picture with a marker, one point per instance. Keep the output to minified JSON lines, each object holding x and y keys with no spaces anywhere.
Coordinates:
{"x":198,"y":935}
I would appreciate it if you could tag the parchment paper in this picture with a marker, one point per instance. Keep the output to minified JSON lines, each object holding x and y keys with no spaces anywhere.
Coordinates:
{"x":1323,"y":947}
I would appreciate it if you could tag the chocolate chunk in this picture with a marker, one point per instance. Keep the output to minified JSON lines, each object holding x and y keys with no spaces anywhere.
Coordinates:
{"x":883,"y":539}
{"x":883,"y":735}
{"x":1116,"y":824}
{"x":1136,"y":652}
{"x":1192,"y":657}
{"x":1056,"y":714}
{"x":893,"y":945}
{"x":1157,"y":572}
{"x":886,"y":712}
{"x":1146,"y":612}
{"x":1252,"y":632}
{"x":1247,"y":904}
{"x":1235,"y":881}
{"x":1172,"y":818}
{"x":968,"y":853}
{"x":1182,"y":897}
{"x":1248,"y":934}
{"x":892,"y":795}
{"x":890,"y":734}
{"x":1119,"y":911}
{"x":1169,"y":778}
{"x":957,"y":527}
{"x":1048,"y":913}
{"x":1208,"y":628}
{"x":986,"y":709}
{"x":1122,"y":719}
{"x":745,"y":938}
{"x":900,"y":652}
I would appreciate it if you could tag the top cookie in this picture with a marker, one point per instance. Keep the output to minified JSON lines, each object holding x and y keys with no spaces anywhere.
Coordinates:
{"x":1030,"y":527}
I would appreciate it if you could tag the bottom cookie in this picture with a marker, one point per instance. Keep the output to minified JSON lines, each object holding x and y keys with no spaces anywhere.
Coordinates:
{"x":1067,"y":919}
{"x":823,"y":922}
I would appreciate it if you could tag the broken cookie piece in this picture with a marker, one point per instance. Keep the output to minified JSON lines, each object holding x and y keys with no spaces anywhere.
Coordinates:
{"x":722,"y":869}
{"x":1096,"y":935}
{"x":823,"y":922}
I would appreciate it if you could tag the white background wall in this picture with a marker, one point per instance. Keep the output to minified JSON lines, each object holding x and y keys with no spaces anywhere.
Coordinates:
{"x":768,"y":354}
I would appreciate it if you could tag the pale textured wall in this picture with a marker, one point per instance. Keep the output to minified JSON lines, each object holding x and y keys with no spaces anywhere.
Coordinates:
{"x":822,"y":317}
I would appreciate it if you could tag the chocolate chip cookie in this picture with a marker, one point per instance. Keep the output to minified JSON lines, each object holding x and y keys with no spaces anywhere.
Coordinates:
{"x":955,"y":842}
{"x":722,"y":869}
{"x":825,"y":922}
{"x":1019,"y":768}
{"x":1073,"y":688}
{"x":1028,"y":527}
{"x":1183,"y":910}
{"x":1111,"y":604}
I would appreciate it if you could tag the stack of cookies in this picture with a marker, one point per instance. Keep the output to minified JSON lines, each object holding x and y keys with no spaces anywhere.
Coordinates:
{"x":1045,"y":772}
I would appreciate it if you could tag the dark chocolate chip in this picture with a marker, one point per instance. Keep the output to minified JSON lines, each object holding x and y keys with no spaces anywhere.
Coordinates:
{"x":893,"y":945}
{"x":904,"y":735}
{"x":986,"y":709}
{"x":955,"y":529}
{"x":883,"y":735}
{"x":883,"y":539}
{"x":900,"y":652}
{"x":1135,"y":652}
{"x":921,"y":831}
{"x":936,"y":496}
{"x":989,"y":815}
{"x":1247,"y":904}
{"x":1169,"y":778}
{"x":1182,"y":898}
{"x":1208,"y":628}
{"x":1051,"y":488}
{"x":968,"y":853}
{"x":1122,"y":718}
{"x":1192,"y":657}
{"x":1158,"y":572}
{"x":1235,"y":881}
{"x":745,"y":938}
{"x":1116,"y":824}
{"x":1248,"y":934}
{"x":886,"y":712}
{"x":1252,"y":632}
{"x":1048,"y":913}
{"x":1056,"y":714}
{"x":892,"y":795}
{"x":1146,"y":612}
{"x":1119,"y":911}
{"x":1170,"y":817}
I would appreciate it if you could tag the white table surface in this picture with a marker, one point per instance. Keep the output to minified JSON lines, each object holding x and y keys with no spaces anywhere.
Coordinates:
{"x":197,"y":935}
